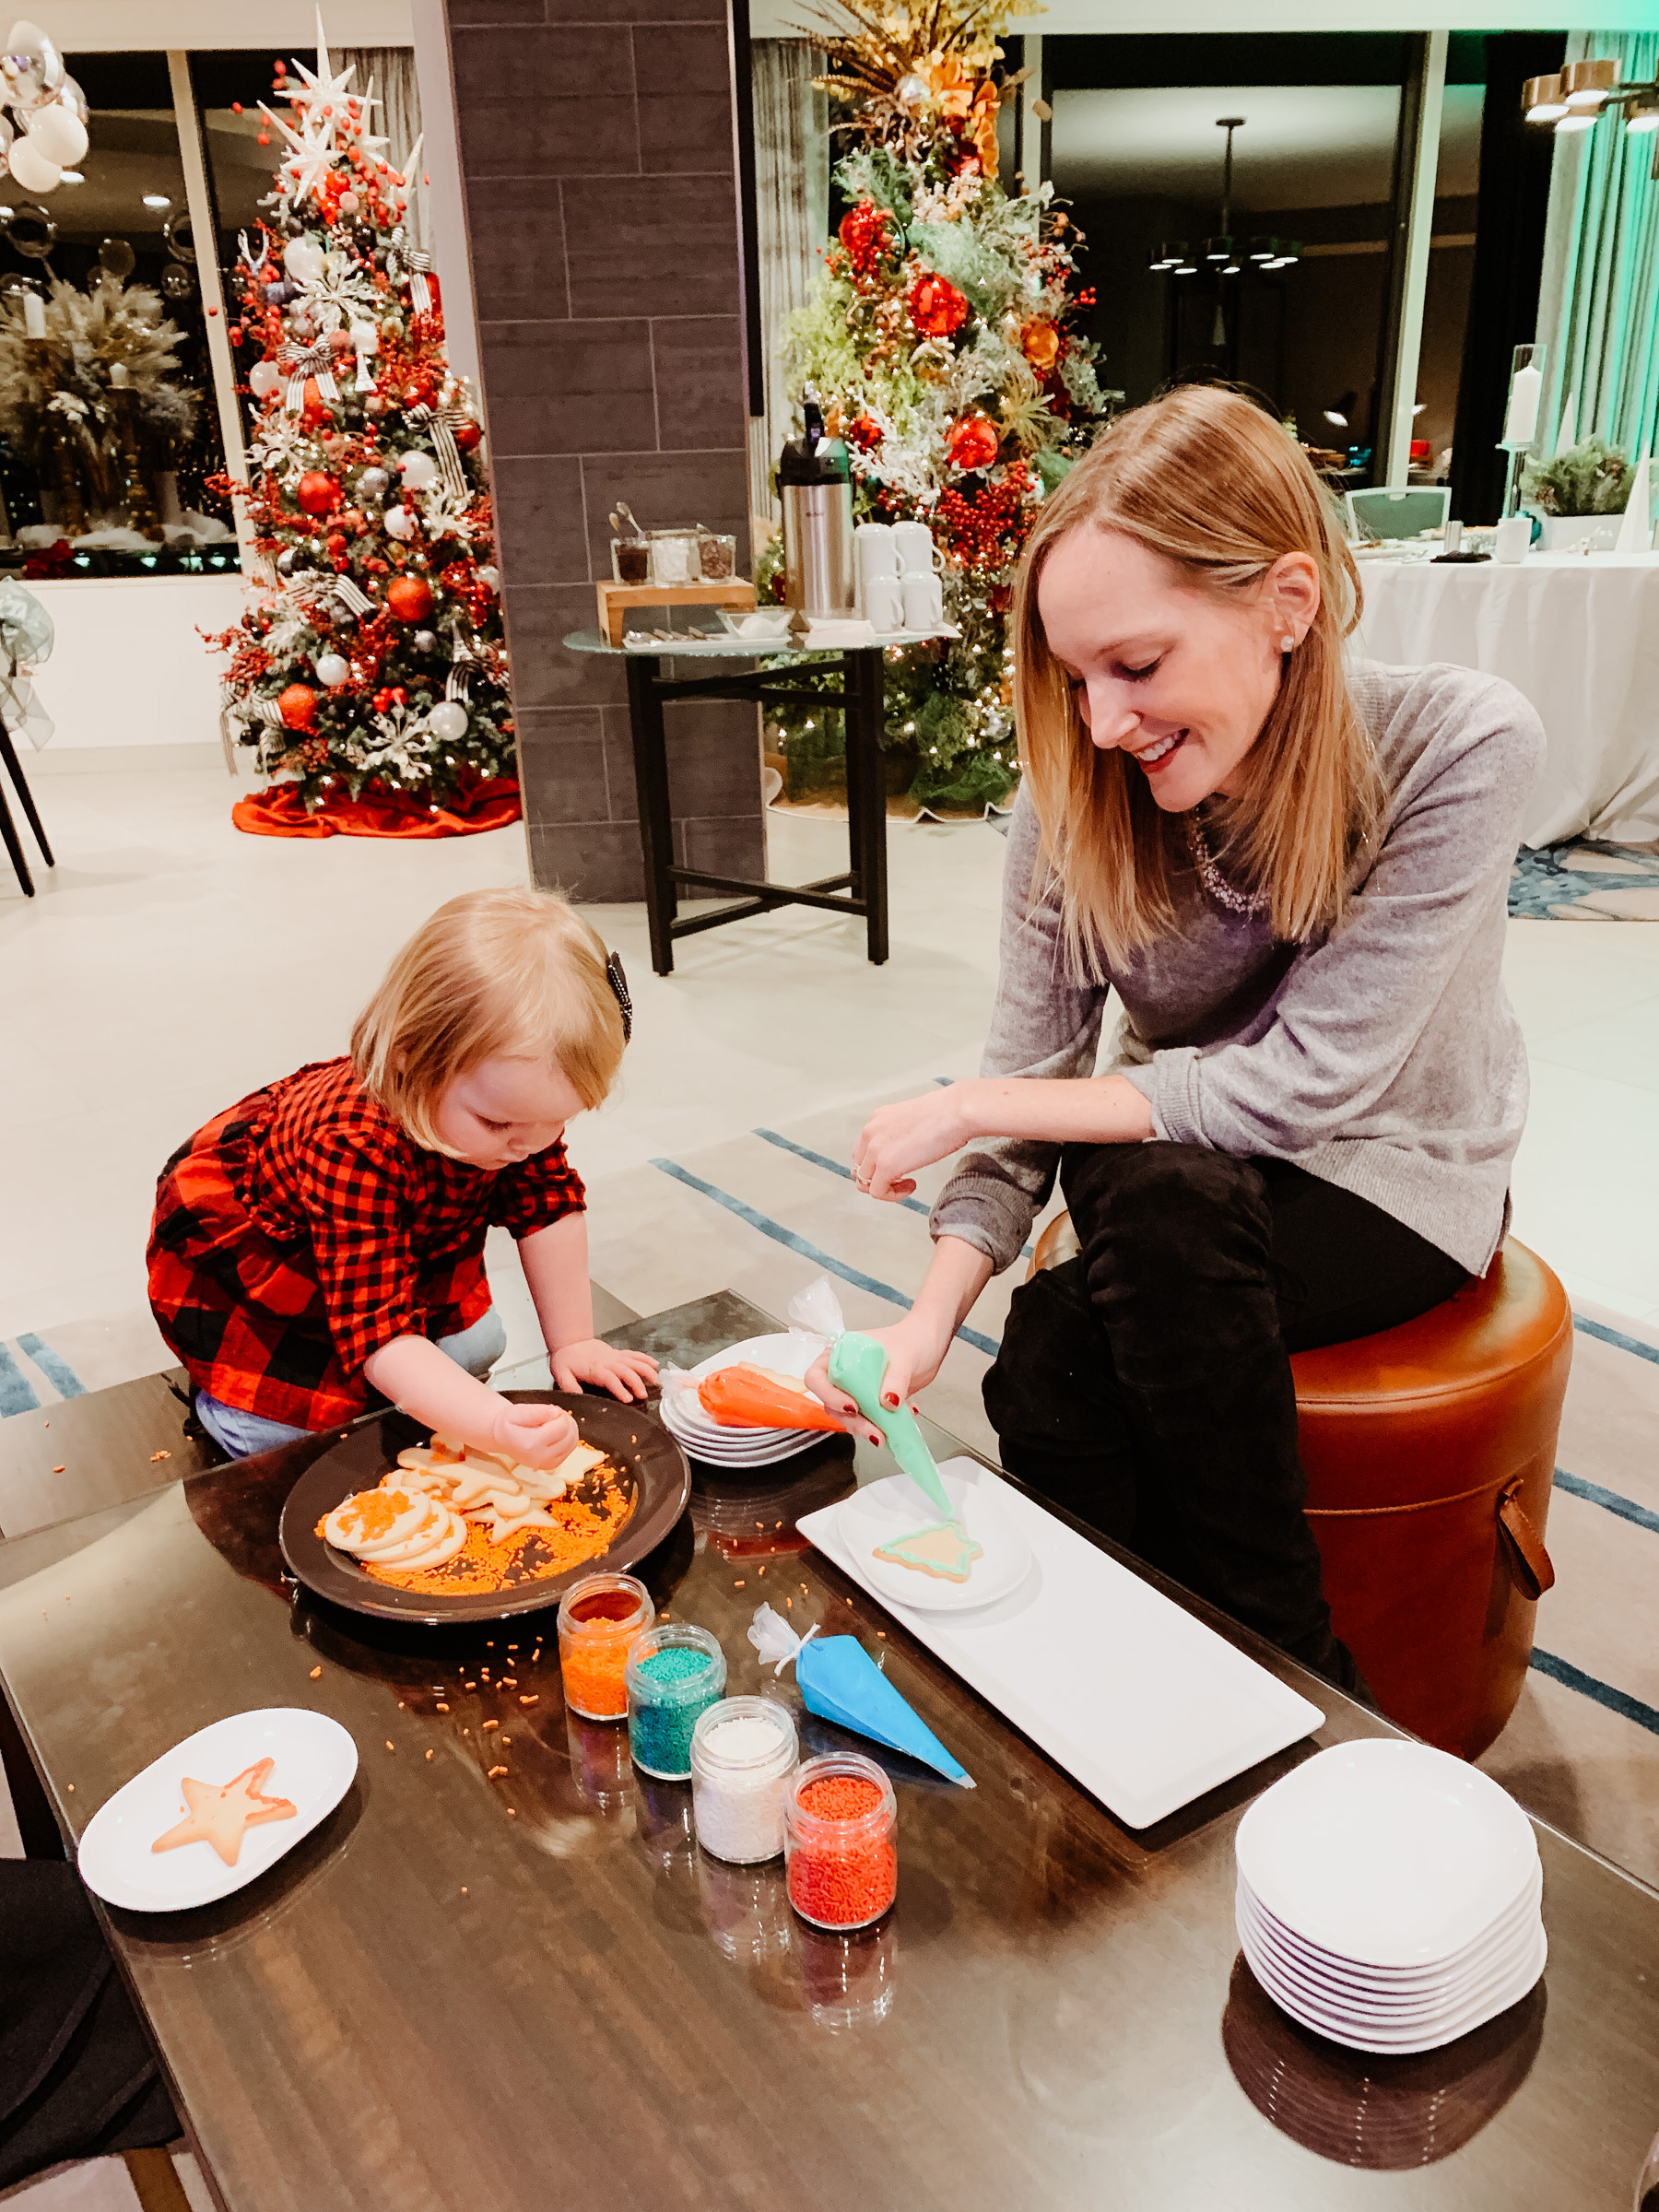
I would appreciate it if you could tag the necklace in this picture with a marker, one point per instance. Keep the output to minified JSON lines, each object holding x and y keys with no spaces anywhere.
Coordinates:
{"x":1224,"y":893}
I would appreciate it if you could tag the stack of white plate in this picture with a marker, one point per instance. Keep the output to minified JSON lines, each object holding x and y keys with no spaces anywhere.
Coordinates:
{"x":706,"y":1439}
{"x":1388,"y":1896}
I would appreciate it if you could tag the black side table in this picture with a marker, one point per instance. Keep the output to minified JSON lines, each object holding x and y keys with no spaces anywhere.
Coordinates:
{"x":863,"y":889}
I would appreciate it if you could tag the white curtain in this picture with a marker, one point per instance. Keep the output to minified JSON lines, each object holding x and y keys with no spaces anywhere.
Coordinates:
{"x":791,"y":193}
{"x":397,"y":117}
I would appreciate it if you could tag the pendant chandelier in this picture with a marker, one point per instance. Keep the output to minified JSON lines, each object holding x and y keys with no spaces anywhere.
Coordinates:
{"x":1576,"y":98}
{"x":1225,"y":255}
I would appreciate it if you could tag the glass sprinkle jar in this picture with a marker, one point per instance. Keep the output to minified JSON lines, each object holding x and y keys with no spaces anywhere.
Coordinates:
{"x":742,"y":1752}
{"x":841,"y":1825}
{"x":675,"y":1671}
{"x":600,"y":1619}
{"x":716,"y":555}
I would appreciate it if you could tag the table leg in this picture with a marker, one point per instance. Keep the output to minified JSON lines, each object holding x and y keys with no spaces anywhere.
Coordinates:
{"x":656,"y":819}
{"x":8,"y":753}
{"x":14,"y":845}
{"x":864,"y":684}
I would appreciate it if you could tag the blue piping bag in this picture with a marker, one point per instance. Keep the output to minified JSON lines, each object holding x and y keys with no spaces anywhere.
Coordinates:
{"x":840,"y":1682}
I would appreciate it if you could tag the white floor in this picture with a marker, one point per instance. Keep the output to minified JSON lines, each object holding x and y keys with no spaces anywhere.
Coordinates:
{"x":171,"y":964}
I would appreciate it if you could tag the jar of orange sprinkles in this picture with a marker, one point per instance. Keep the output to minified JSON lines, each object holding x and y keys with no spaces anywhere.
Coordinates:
{"x":600,"y":1619}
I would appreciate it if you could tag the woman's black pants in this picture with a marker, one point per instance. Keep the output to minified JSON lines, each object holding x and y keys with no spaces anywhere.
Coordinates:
{"x":1145,"y":1385}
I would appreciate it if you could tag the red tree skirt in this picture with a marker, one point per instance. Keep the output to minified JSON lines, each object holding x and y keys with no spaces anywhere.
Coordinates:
{"x":280,"y":812}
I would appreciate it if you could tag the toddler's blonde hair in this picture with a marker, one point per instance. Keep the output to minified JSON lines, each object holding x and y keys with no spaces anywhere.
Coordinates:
{"x":509,"y":974}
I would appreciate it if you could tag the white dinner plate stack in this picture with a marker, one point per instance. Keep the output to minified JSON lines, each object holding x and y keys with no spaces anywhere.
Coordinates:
{"x":1388,"y":1896}
{"x":706,"y":1439}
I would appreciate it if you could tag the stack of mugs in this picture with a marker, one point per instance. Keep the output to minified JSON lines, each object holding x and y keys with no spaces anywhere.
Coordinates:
{"x":898,"y":576}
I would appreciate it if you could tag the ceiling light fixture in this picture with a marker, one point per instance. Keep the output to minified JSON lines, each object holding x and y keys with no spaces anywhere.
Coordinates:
{"x":1223,"y":255}
{"x":156,"y":199}
{"x":1575,"y":99}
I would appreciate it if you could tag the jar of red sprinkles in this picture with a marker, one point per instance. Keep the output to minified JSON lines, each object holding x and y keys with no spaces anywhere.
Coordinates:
{"x":840,"y":1827}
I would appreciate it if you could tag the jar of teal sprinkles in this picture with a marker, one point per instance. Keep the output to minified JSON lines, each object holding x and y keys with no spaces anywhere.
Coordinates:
{"x":676,"y":1671}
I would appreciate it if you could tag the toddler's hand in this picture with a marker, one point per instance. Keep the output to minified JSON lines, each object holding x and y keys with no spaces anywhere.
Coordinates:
{"x":624,"y":1374}
{"x":539,"y":1435}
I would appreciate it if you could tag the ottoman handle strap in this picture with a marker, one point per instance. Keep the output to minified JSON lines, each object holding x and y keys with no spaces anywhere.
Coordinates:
{"x":1537,"y":1573}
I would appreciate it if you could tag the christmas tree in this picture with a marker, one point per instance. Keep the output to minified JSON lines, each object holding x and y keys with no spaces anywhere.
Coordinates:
{"x":939,"y":344}
{"x":369,"y":666}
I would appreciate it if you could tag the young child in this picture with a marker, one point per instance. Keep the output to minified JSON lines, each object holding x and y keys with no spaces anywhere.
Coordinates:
{"x":322,"y":1240}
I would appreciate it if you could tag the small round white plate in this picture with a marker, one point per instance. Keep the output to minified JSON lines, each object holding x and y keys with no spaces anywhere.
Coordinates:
{"x":1369,"y":2035}
{"x":1386,"y":1854}
{"x":790,"y":1352}
{"x":315,"y":1760}
{"x":895,"y":1507}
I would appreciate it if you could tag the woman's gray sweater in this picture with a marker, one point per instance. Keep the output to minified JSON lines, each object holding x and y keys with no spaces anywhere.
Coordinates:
{"x":1383,"y":1056}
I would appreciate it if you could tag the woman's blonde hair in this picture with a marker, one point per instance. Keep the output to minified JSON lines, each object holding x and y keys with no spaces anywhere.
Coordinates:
{"x":1206,"y":478}
{"x":513,"y":975}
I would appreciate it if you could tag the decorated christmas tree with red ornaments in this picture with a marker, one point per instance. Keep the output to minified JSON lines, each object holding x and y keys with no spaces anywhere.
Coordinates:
{"x":368,"y":669}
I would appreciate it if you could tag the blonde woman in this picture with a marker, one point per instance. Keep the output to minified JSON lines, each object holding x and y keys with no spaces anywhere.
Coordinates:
{"x":1293,"y":875}
{"x":318,"y":1247}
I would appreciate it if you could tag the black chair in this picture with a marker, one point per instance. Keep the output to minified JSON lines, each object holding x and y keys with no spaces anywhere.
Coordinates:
{"x":9,"y":828}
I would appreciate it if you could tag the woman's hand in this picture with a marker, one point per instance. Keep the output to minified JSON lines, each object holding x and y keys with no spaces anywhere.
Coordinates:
{"x":897,"y":1140}
{"x":625,"y":1374}
{"x":914,"y":1357}
{"x":538,"y":1435}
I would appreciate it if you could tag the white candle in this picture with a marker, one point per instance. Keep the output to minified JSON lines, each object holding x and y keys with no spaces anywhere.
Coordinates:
{"x":34,"y":315}
{"x":1521,"y":424}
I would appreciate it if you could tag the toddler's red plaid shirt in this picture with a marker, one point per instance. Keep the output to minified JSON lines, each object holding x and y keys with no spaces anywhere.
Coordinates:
{"x":303,"y":1228}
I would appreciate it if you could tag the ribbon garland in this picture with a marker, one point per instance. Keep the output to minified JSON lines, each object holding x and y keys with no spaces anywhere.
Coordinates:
{"x":420,"y":291}
{"x":445,"y":422}
{"x":352,"y":596}
{"x":458,"y":685}
{"x":302,"y":361}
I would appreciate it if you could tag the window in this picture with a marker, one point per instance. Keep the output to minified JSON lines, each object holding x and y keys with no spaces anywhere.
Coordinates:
{"x":109,"y":430}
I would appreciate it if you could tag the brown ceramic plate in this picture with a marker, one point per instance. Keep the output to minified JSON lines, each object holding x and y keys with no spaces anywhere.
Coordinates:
{"x":654,"y":1467}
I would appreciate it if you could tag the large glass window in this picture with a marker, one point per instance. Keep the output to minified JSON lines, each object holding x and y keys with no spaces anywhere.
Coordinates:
{"x":1139,"y":146}
{"x":109,"y":432}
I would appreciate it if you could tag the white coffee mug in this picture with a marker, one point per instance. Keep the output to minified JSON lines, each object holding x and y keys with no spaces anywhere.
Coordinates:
{"x":1514,"y":538}
{"x":883,"y":603}
{"x":877,"y":554}
{"x":924,"y":602}
{"x":918,"y":555}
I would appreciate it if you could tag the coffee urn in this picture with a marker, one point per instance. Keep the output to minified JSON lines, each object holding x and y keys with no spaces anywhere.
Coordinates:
{"x":815,"y":483}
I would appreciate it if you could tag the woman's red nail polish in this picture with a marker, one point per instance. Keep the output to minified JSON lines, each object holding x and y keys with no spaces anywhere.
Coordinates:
{"x":889,"y":1397}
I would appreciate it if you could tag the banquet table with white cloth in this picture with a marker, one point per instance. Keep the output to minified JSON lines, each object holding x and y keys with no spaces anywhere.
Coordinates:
{"x":1579,"y":634}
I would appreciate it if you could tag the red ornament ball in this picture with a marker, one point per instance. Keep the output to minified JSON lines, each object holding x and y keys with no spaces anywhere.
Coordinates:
{"x":298,"y":707}
{"x":410,"y":598}
{"x":317,"y":492}
{"x":467,"y":435}
{"x":936,"y":308}
{"x":866,"y":234}
{"x":973,"y":442}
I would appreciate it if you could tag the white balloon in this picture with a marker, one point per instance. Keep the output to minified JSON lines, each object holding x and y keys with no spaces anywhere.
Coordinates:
{"x":32,"y":170}
{"x":332,"y":670}
{"x":58,"y":133}
{"x":448,"y":719}
{"x":419,"y":470}
{"x":302,"y":258}
{"x":400,"y":523}
{"x":30,"y":39}
{"x":263,"y":379}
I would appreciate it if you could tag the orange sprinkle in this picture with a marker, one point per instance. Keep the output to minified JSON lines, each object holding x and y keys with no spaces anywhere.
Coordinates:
{"x":494,"y":1771}
{"x":513,"y":1812}
{"x":583,"y":1530}
{"x":390,"y":1745}
{"x":428,"y":1755}
{"x":316,"y":1673}
{"x":535,"y":1700}
{"x":57,"y":1470}
{"x":156,"y":1455}
{"x":490,"y":1724}
{"x":738,"y":1585}
{"x":445,"y":1708}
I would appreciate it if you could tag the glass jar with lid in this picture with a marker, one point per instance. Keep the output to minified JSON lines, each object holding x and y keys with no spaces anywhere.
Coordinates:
{"x":742,"y":1752}
{"x":600,"y":1618}
{"x":675,"y":557}
{"x":675,"y":1671}
{"x":840,"y":1828}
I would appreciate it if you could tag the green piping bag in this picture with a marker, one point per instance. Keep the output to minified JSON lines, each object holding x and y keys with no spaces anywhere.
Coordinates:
{"x":857,"y":1364}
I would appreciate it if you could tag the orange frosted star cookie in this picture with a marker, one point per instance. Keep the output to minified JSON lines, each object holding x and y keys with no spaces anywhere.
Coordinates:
{"x":222,"y":1815}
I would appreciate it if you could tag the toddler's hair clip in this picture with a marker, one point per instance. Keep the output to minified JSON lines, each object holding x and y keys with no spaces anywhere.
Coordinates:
{"x":617,"y":981}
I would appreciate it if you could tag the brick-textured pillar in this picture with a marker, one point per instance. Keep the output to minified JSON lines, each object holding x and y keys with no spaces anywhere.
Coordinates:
{"x":596,"y":156}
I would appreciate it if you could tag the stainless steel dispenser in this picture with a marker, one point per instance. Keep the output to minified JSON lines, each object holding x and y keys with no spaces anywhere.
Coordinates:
{"x":815,"y":484}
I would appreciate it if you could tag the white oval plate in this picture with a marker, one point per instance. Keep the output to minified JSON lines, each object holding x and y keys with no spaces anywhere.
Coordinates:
{"x":895,"y":1507}
{"x":315,"y":1761}
{"x":1386,"y":1854}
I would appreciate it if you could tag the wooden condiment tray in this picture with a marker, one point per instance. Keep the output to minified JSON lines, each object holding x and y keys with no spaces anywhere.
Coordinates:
{"x":618,"y":601}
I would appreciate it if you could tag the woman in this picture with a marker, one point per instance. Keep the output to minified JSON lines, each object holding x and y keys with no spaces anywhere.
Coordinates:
{"x":1294,"y":876}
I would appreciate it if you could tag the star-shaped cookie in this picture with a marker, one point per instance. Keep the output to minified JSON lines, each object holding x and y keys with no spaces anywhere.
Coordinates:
{"x":220,"y":1816}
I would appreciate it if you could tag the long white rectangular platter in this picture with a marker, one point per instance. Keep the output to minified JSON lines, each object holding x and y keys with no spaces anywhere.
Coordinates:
{"x":1139,"y":1702}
